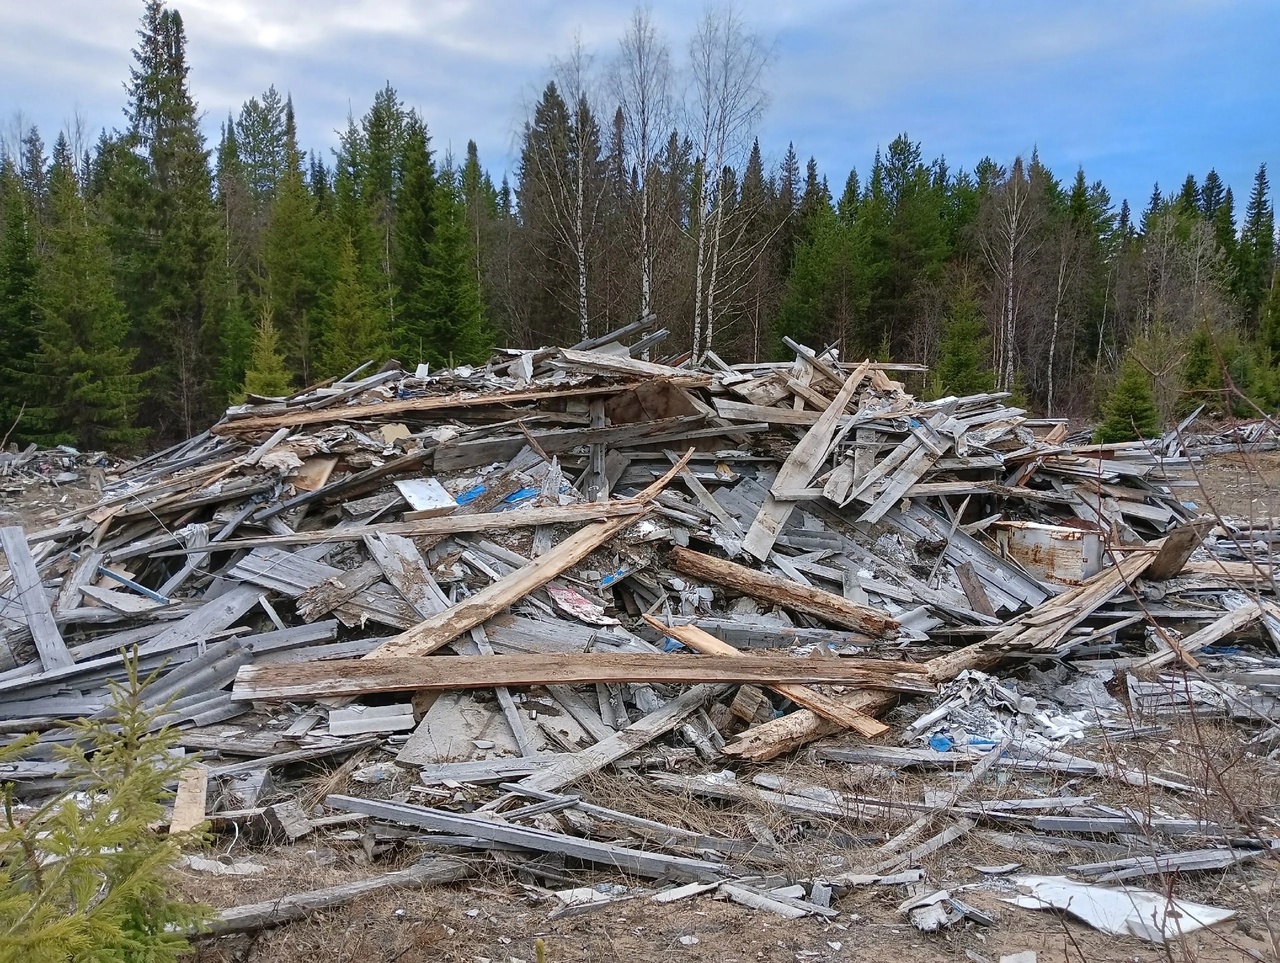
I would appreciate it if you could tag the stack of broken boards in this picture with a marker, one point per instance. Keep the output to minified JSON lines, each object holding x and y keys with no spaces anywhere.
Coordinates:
{"x":513,"y":576}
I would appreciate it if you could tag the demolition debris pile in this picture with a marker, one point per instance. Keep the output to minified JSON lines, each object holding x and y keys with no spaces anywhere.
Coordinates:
{"x":476,"y":588}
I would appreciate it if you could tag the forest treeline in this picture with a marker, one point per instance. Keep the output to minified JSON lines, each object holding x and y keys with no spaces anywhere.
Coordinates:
{"x":151,"y":278}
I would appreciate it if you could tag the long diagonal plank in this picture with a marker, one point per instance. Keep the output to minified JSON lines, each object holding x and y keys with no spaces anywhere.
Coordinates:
{"x":443,"y":627}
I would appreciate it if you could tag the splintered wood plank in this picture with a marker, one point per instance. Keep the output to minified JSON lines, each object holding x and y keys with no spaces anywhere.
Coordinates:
{"x":341,"y":678}
{"x":35,"y":604}
{"x":799,"y":468}
{"x":635,"y":736}
{"x":126,"y":603}
{"x":801,"y":598}
{"x":189,"y":803}
{"x":314,"y":473}
{"x":406,"y":570}
{"x":444,"y":627}
{"x":801,"y":695}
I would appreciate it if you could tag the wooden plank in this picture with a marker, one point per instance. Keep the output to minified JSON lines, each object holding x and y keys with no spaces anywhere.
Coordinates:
{"x":444,"y":627}
{"x":340,"y":678}
{"x":973,"y":590}
{"x":1232,"y":621}
{"x":294,"y":906}
{"x":813,"y":601}
{"x":35,"y":604}
{"x":801,"y":695}
{"x":798,"y":470}
{"x":539,"y":840}
{"x":637,"y":735}
{"x":448,"y":525}
{"x":190,"y":801}
{"x":388,"y":410}
{"x":126,"y":603}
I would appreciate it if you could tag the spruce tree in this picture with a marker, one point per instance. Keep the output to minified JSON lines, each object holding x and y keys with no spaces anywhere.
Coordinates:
{"x":88,"y":393}
{"x":964,"y":352}
{"x":415,"y":230}
{"x":356,"y":332}
{"x":164,"y":230}
{"x":19,"y":306}
{"x":1255,"y":259}
{"x":456,"y":331}
{"x":266,"y":375}
{"x":1130,"y":412}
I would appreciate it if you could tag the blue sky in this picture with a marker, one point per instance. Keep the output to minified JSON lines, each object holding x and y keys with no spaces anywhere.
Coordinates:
{"x":1134,"y":90}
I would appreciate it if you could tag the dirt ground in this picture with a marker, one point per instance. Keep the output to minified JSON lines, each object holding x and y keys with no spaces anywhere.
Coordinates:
{"x":501,"y":914}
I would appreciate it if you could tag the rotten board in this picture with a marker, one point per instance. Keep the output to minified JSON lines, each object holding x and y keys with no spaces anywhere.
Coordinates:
{"x":31,"y":596}
{"x":801,"y":695}
{"x":190,"y":801}
{"x":635,"y":736}
{"x":333,"y":679}
{"x":801,"y":598}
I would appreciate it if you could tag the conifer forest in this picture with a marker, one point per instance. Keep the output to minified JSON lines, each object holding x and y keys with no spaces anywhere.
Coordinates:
{"x":150,"y":276}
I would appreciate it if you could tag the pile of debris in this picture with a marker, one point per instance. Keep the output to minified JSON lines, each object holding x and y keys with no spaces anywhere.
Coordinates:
{"x":494,"y":582}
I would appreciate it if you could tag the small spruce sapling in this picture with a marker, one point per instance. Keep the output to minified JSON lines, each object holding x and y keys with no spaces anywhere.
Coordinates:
{"x":82,"y":877}
{"x":1130,"y":412}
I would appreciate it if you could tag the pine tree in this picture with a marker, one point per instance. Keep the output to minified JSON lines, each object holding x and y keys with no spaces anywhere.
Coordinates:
{"x":83,"y":371}
{"x":826,"y":296}
{"x":1130,"y":412}
{"x":234,"y":277}
{"x":299,"y":261}
{"x":964,"y":353}
{"x":356,"y":332}
{"x":19,"y":305}
{"x":266,"y":375}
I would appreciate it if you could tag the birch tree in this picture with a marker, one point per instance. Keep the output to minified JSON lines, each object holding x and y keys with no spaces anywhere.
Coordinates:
{"x":1009,"y":240}
{"x":726,"y":99}
{"x":641,"y":82}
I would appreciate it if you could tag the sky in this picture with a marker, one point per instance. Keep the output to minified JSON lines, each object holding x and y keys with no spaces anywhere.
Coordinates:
{"x":1135,"y":91}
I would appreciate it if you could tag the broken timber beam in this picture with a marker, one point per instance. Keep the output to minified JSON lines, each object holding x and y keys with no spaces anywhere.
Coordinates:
{"x":342,"y":678}
{"x":294,"y":906}
{"x":799,"y":693}
{"x":801,"y":598}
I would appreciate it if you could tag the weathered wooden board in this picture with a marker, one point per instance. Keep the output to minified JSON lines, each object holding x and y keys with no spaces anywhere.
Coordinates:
{"x":400,"y":674}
